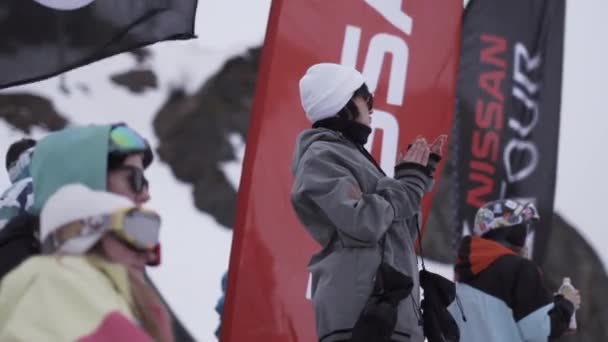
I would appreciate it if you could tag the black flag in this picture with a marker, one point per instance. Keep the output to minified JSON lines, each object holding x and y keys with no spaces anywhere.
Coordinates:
{"x":42,"y":38}
{"x":507,"y":118}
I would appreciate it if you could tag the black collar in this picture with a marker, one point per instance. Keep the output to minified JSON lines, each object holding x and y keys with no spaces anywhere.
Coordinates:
{"x":352,"y":130}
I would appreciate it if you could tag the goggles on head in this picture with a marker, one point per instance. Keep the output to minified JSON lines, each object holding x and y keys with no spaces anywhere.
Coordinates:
{"x":123,"y":139}
{"x":504,"y":213}
{"x":506,"y":220}
{"x":138,"y":228}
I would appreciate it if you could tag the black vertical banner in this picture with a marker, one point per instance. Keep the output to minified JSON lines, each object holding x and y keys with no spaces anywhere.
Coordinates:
{"x":507,"y":119}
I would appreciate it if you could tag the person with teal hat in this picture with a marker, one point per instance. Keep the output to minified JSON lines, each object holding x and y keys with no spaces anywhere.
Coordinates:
{"x":102,"y":157}
{"x":107,"y":157}
{"x":90,"y":286}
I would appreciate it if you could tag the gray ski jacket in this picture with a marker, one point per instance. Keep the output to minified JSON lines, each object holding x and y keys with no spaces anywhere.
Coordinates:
{"x":347,"y":205}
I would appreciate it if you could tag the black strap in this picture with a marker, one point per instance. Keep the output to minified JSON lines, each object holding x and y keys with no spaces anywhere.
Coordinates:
{"x":382,"y":247}
{"x":379,"y":286}
{"x":417,"y":308}
{"x":420,"y":242}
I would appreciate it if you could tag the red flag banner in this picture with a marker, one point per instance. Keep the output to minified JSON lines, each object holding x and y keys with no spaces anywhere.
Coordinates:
{"x":408,"y":52}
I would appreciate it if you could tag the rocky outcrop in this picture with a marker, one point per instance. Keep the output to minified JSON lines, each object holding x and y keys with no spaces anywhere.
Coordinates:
{"x":25,"y":111}
{"x":194,"y":132}
{"x":137,"y":81}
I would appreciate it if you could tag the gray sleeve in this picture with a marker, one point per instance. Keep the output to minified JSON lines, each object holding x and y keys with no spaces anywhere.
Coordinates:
{"x":415,"y":175}
{"x":361,"y":218}
{"x":418,"y":180}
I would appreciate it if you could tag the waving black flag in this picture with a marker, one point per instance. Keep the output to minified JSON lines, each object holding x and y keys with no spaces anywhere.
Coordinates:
{"x":42,"y":38}
{"x":507,"y":119}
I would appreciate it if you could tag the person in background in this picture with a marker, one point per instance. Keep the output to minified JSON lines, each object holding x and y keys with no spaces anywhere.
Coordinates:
{"x":103,"y":157}
{"x":501,"y":292}
{"x":365,"y":222}
{"x":219,"y":307}
{"x":18,"y":197}
{"x":107,"y":157}
{"x":91,"y":287}
{"x":18,"y":238}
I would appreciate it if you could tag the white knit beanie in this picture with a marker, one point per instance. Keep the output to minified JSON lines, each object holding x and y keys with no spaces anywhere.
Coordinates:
{"x":326,"y":88}
{"x":74,"y":202}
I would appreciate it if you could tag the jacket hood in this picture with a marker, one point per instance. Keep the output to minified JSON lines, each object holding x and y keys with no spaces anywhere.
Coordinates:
{"x":476,"y":254}
{"x":308,"y":137}
{"x":21,"y":169}
{"x":72,"y":155}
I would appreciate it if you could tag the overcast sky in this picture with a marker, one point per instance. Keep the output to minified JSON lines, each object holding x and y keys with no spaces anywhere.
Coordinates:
{"x":583,"y":160}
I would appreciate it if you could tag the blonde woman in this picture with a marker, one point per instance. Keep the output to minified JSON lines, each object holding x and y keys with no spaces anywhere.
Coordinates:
{"x":91,"y":287}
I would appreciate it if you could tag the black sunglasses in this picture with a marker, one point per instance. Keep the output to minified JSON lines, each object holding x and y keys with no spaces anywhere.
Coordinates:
{"x":370,"y":102}
{"x":365,"y":94}
{"x":137,"y":180}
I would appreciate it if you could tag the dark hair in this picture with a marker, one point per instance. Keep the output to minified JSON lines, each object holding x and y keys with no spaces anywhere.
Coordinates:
{"x":16,"y":148}
{"x":350,"y":110}
{"x":513,"y":236}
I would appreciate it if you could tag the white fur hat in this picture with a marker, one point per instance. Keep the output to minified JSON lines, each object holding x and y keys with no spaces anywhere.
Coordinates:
{"x":74,"y":202}
{"x":326,"y":88}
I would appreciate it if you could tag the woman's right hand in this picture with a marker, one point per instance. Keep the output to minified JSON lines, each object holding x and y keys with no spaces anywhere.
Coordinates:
{"x":417,"y":154}
{"x":437,"y":145}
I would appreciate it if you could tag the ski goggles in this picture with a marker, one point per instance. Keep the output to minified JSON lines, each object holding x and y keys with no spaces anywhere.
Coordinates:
{"x":124,"y":139}
{"x":138,"y":228}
